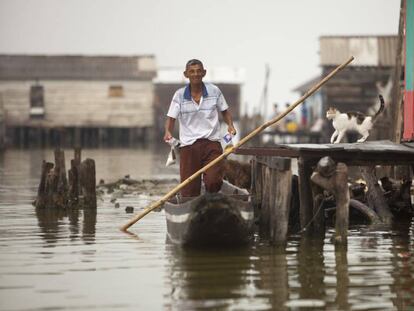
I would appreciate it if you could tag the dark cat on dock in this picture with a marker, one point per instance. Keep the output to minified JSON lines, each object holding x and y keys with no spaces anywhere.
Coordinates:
{"x":357,"y":121}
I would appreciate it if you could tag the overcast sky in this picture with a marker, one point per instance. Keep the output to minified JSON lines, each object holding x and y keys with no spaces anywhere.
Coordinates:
{"x":235,"y":33}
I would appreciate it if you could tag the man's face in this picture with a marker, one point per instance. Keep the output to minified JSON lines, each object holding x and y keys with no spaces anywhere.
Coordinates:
{"x":195,"y":73}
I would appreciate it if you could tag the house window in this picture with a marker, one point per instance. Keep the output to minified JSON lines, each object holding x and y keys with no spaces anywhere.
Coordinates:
{"x":37,"y":104}
{"x":116,"y":91}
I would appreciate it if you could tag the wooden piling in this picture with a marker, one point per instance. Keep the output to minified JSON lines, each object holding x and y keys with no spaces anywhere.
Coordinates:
{"x":42,"y":195}
{"x":88,"y":183}
{"x":74,"y":188}
{"x":318,"y":224}
{"x":280,"y":198}
{"x":55,"y":191}
{"x":257,"y":186}
{"x":51,"y":189}
{"x":334,"y":178}
{"x":77,"y":158}
{"x":305,"y":191}
{"x":275,"y":195}
{"x":61,"y":197}
{"x":294,"y":212}
{"x":265,"y":204}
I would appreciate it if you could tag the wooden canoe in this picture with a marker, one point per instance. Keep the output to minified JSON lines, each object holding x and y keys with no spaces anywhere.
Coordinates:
{"x":212,"y":219}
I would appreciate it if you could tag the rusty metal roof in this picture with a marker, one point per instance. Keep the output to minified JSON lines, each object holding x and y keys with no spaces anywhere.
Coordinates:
{"x":367,"y":50}
{"x":77,"y":67}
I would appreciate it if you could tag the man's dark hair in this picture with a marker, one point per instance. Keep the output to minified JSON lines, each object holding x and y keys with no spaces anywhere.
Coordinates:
{"x":192,"y":62}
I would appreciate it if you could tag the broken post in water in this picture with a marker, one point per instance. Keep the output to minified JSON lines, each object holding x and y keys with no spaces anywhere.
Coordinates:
{"x":57,"y":191}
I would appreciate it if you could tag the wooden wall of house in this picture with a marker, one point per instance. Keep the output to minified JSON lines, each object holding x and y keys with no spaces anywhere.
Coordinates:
{"x":2,"y":127}
{"x":80,"y":104}
{"x":357,"y":89}
{"x":165,"y":91}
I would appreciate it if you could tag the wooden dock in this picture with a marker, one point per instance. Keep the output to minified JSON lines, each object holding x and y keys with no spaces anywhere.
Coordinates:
{"x":270,"y":162}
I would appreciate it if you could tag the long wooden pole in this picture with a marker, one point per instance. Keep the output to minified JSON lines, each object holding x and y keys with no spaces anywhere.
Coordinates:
{"x":232,"y":149}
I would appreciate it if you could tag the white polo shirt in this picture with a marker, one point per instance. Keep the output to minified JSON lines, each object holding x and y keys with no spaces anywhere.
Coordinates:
{"x":198,"y":120}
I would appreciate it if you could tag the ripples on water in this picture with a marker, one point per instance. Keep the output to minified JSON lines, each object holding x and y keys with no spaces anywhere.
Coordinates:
{"x":79,"y":260}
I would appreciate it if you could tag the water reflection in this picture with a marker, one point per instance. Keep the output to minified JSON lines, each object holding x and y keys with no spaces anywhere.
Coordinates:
{"x":242,"y":279}
{"x":311,"y":270}
{"x":403,"y":261}
{"x":208,"y":278}
{"x":342,"y":277}
{"x":272,"y":280}
{"x":57,"y":224}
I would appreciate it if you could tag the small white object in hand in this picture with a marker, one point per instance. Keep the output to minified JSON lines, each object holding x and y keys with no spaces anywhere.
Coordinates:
{"x":174,"y":143}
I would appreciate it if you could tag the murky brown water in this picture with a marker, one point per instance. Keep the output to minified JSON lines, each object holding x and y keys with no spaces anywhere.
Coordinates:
{"x":81,"y":261}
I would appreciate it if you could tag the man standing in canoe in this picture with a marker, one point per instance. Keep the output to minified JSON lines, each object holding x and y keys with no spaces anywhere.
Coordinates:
{"x":197,"y":107}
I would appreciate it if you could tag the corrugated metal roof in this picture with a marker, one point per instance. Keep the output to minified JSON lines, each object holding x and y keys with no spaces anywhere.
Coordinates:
{"x":214,"y":75}
{"x":367,"y":50}
{"x":25,"y":67}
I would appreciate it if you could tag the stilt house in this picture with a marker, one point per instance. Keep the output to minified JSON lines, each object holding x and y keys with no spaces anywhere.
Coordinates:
{"x":77,"y":100}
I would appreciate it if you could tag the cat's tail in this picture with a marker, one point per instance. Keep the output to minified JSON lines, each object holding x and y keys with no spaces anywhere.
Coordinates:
{"x":381,"y":109}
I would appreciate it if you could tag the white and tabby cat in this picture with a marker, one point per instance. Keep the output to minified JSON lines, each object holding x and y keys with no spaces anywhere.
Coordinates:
{"x":356,"y":121}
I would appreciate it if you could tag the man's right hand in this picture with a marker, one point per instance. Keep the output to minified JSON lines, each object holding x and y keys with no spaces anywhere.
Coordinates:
{"x":167,"y":136}
{"x":169,"y":127}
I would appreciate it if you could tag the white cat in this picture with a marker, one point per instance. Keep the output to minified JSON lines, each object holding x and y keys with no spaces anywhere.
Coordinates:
{"x":357,"y":121}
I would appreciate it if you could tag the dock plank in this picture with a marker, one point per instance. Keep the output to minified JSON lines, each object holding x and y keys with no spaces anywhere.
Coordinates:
{"x":371,"y":152}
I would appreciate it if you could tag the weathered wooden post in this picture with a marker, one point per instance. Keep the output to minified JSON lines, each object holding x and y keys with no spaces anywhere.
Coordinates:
{"x":257,"y":185}
{"x":281,"y":181}
{"x":74,"y":177}
{"x":318,"y":225}
{"x":51,"y":188}
{"x":334,"y":178}
{"x":88,"y":183}
{"x":375,"y":197}
{"x":305,"y":191}
{"x":275,"y":197}
{"x":61,"y":194}
{"x":42,"y":195}
{"x":55,"y":191}
{"x":294,"y":212}
{"x":265,"y":203}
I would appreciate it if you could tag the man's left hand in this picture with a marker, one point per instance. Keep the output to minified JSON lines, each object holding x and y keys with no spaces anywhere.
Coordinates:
{"x":231,"y":130}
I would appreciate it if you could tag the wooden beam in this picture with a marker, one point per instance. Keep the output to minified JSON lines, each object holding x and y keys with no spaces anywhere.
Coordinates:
{"x":263,"y":151}
{"x":305,"y":192}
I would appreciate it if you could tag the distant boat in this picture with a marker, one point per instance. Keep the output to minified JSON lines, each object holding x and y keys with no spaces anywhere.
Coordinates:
{"x":212,"y":219}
